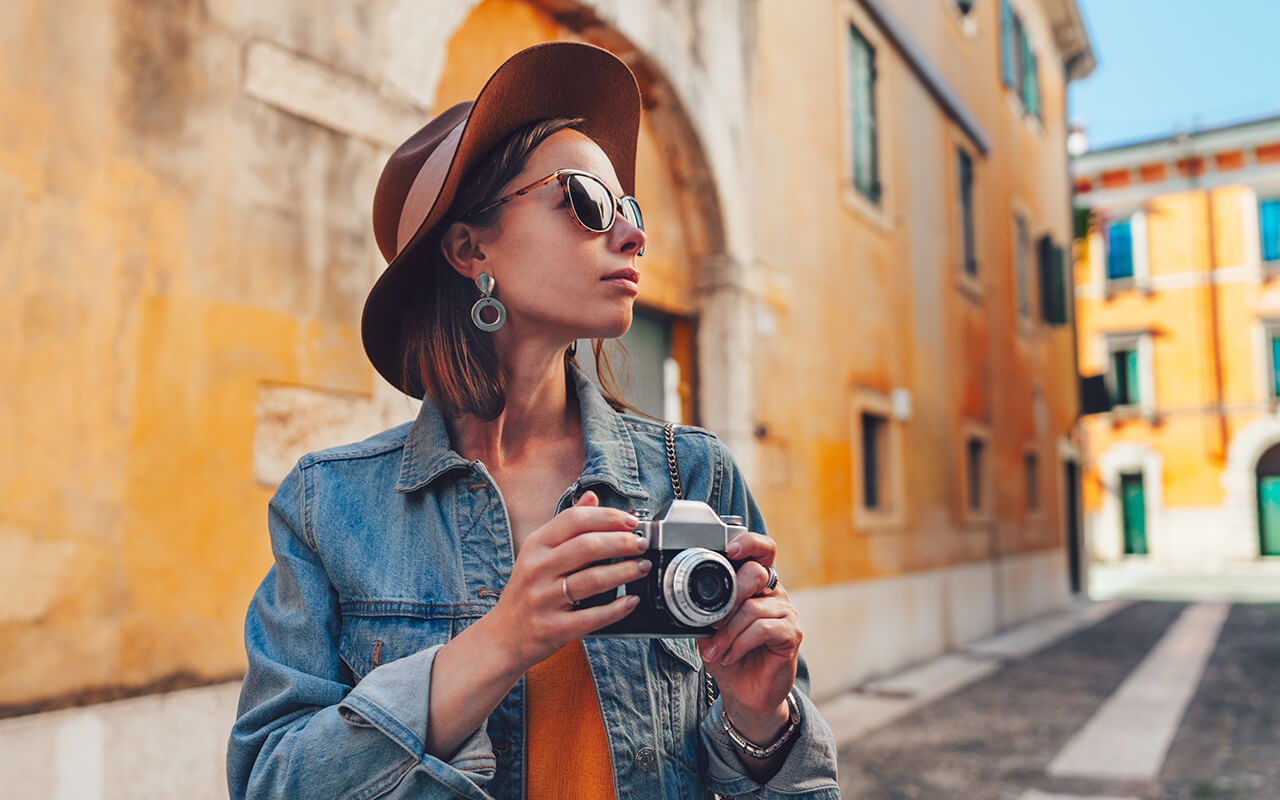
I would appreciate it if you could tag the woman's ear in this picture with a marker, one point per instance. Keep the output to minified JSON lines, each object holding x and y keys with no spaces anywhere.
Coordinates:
{"x":461,"y":249}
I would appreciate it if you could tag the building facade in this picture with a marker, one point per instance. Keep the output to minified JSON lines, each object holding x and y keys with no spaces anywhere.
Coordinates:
{"x":857,"y":216}
{"x":1179,"y":307}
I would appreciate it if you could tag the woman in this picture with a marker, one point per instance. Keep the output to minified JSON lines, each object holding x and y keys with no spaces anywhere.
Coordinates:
{"x":418,"y":635}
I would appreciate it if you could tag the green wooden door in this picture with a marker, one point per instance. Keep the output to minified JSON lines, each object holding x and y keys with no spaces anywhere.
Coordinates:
{"x":1269,"y":514}
{"x":1134,"y":508}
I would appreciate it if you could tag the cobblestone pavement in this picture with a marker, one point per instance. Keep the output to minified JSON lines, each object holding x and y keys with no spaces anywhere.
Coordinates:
{"x":994,"y":739}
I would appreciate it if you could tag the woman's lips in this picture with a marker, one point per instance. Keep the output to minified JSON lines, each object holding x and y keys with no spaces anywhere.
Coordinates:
{"x":626,"y":279}
{"x":626,"y":274}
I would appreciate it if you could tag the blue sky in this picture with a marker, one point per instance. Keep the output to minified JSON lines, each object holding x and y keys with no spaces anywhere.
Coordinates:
{"x":1169,"y":63}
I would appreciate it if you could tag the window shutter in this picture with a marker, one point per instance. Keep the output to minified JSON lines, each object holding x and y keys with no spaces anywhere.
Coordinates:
{"x":1033,"y":85}
{"x":1044,"y":269}
{"x":1006,"y":42}
{"x":1269,"y":228}
{"x":1062,"y":285}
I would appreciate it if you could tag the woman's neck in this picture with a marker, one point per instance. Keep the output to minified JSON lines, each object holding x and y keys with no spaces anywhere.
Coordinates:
{"x":540,"y":410}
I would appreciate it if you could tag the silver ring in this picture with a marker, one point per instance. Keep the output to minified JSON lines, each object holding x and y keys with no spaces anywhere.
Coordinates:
{"x":773,"y":580}
{"x":564,"y":589}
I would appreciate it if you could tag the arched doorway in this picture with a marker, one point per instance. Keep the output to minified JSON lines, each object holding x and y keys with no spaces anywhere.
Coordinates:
{"x":1268,"y":475}
{"x":673,"y":182}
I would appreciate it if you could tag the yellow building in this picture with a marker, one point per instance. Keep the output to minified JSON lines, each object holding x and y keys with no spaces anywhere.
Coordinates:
{"x":1179,"y":307}
{"x":857,"y":212}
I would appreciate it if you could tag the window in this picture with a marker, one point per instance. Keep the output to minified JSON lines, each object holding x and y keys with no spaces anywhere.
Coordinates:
{"x":1119,"y":250}
{"x":975,"y":455}
{"x":876,"y":463}
{"x":862,"y":107}
{"x":875,"y":449}
{"x":1031,"y":473}
{"x":1019,"y":66}
{"x":1022,"y":265}
{"x":964,"y":168}
{"x":1269,"y":227}
{"x":1124,"y":377}
{"x":1271,"y":346}
{"x":1053,"y":286}
{"x":1275,"y":362}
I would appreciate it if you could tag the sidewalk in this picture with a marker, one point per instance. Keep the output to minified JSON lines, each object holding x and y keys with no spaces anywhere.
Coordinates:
{"x":880,"y":702}
{"x":1116,"y":700}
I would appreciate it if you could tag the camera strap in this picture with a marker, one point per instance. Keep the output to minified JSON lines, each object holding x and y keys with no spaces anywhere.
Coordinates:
{"x":710,"y":690}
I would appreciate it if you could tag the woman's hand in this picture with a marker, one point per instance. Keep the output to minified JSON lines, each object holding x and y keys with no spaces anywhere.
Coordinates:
{"x":533,"y":618}
{"x":755,"y":650}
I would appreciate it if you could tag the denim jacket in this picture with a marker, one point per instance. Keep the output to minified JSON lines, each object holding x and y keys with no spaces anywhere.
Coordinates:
{"x":386,"y":549}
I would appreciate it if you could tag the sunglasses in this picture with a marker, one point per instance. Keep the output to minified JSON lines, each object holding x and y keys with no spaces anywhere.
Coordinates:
{"x":590,"y":201}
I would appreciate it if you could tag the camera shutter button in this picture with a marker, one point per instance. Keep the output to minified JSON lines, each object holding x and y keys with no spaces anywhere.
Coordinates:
{"x":732,"y":519}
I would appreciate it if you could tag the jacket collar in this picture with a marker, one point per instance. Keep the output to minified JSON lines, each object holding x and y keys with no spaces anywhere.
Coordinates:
{"x":609,"y":452}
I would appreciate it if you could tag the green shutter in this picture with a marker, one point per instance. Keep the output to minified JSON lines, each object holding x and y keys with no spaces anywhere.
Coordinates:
{"x":1275,"y":366}
{"x":1006,"y":42}
{"x":1134,"y":510}
{"x":862,"y":80}
{"x":1131,"y":370}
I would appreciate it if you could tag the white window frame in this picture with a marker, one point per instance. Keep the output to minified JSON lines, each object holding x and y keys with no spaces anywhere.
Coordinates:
{"x":892,"y":483}
{"x":1141,"y":279}
{"x":1263,"y":368}
{"x":1107,"y":343}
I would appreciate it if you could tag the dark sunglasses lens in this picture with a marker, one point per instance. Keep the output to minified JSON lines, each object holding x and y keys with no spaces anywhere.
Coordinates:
{"x":591,"y":202}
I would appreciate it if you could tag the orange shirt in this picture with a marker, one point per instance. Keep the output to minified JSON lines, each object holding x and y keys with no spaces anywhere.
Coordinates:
{"x":567,"y":752}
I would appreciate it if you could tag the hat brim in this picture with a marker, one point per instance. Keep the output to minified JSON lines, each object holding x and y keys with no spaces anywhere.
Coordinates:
{"x":553,"y":79}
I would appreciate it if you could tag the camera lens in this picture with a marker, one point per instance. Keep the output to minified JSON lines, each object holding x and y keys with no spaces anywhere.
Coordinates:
{"x":709,"y":586}
{"x":698,"y":585}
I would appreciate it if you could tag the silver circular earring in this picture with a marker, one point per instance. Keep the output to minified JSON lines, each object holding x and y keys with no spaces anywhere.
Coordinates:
{"x":486,"y":283}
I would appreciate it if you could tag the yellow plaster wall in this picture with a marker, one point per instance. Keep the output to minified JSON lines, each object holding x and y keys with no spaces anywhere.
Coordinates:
{"x":847,"y":319}
{"x":1186,"y":431}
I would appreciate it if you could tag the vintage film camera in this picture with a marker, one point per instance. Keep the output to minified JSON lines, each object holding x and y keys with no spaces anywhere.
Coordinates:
{"x":692,"y":584}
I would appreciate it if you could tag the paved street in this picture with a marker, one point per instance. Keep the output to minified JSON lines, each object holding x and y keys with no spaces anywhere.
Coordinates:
{"x":1155,"y":700}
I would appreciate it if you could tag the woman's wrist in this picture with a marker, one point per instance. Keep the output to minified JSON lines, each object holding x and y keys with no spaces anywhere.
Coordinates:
{"x":758,"y":727}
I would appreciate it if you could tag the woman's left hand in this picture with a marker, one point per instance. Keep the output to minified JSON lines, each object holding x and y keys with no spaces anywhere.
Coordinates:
{"x":755,"y":650}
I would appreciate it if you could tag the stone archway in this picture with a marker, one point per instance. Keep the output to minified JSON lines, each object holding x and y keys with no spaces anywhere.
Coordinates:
{"x":1268,"y":492}
{"x":1240,"y":480}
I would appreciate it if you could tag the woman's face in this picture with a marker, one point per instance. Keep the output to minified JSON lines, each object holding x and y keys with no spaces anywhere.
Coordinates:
{"x":552,"y":274}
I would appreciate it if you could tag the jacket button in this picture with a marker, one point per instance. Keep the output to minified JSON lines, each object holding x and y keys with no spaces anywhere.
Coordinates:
{"x":645,"y":759}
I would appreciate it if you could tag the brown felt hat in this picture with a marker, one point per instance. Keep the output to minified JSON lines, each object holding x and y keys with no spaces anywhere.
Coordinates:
{"x":420,"y":180}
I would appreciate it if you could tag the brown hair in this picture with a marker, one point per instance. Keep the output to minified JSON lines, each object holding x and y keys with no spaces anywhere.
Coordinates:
{"x":447,"y":356}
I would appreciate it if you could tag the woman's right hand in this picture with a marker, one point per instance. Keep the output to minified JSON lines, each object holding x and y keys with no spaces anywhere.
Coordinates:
{"x":533,"y":618}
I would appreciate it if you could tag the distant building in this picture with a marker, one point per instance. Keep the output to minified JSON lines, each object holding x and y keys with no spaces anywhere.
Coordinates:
{"x":1178,"y":304}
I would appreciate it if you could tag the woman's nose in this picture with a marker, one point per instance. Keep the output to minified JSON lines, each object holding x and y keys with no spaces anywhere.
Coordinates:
{"x":627,"y":237}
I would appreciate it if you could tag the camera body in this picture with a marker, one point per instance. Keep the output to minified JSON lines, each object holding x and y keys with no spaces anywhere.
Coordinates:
{"x":692,"y":584}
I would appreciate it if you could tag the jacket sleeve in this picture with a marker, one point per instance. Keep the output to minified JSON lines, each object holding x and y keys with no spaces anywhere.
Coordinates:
{"x":809,"y":770}
{"x":302,"y":728}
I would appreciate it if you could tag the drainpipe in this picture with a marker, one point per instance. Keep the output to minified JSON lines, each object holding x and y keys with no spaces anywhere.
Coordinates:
{"x":1215,"y":336}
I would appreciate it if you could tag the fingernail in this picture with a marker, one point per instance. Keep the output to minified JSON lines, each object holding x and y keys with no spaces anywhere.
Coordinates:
{"x":642,"y":544}
{"x":644,"y":565}
{"x":632,"y":521}
{"x":711,"y":654}
{"x":733,"y":549}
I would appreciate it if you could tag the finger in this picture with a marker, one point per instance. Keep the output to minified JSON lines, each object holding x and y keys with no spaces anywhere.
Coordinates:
{"x":780,"y":636}
{"x":588,"y":620}
{"x":581,"y":518}
{"x":751,"y":579}
{"x":754,"y":546}
{"x":735,"y":624}
{"x":594,"y":580}
{"x":592,"y":546}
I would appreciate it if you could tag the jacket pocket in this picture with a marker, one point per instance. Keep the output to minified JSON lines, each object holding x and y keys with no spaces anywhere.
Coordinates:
{"x":376,"y":633}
